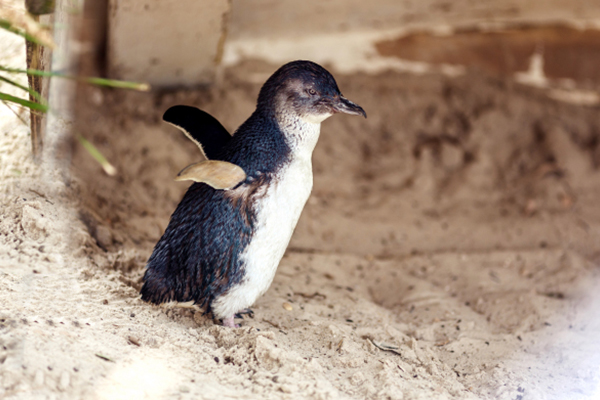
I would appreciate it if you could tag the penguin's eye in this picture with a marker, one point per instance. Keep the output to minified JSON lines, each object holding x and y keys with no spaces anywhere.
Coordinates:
{"x":312,"y":92}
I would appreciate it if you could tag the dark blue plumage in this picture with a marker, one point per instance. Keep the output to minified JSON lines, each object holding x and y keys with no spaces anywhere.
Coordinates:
{"x":197,"y":258}
{"x":222,"y":247}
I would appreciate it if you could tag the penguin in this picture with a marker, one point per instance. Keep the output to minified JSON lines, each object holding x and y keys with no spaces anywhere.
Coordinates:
{"x":226,"y":237}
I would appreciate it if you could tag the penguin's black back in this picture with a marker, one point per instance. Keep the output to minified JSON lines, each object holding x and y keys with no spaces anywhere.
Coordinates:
{"x":199,"y":256}
{"x":258,"y":146}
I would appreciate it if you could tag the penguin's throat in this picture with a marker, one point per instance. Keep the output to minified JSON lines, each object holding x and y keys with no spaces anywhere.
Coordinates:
{"x":300,"y":134}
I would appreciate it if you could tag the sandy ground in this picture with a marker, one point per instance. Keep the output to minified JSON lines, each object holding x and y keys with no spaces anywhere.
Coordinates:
{"x":449,"y":251}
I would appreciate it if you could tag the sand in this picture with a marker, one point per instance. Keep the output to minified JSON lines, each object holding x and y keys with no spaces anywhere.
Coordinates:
{"x":449,"y":251}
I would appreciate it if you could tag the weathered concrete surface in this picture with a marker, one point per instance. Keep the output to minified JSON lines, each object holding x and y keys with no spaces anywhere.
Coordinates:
{"x":290,"y":18}
{"x":548,"y":42}
{"x":166,"y":42}
{"x":567,"y":53}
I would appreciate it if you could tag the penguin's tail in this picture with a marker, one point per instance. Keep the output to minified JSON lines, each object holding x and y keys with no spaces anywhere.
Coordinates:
{"x":160,"y":286}
{"x":156,"y":289}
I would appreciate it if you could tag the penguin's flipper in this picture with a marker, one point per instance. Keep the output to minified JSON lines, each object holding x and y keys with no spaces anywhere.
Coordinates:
{"x":218,"y":174}
{"x":200,"y":127}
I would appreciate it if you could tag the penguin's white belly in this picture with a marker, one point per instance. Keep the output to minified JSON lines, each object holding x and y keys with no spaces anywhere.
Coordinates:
{"x":278,"y":212}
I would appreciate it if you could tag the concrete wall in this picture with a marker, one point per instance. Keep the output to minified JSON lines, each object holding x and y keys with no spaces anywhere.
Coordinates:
{"x":170,"y":42}
{"x":166,"y":42}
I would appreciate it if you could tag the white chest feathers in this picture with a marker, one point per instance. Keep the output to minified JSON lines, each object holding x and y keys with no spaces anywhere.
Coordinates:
{"x":277,"y":213}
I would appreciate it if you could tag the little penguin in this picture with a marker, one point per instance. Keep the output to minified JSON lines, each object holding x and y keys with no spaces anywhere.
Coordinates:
{"x":228,"y":234}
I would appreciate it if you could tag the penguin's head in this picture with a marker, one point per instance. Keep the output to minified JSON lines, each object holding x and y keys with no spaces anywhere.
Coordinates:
{"x":306,"y":90}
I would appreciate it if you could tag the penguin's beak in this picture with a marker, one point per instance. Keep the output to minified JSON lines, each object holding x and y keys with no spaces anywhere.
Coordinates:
{"x":343,"y":105}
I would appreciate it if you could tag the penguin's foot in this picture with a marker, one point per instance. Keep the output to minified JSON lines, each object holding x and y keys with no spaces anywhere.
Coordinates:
{"x":245,"y":311}
{"x":228,"y":322}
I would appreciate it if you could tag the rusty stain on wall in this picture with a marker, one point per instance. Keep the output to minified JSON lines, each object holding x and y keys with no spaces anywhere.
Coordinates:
{"x":567,"y":52}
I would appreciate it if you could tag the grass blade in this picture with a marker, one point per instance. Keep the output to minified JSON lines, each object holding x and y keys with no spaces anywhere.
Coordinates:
{"x":32,"y":92}
{"x":24,"y":25}
{"x":95,"y":153}
{"x":25,"y":103}
{"x":8,"y":105}
{"x":144,"y":87}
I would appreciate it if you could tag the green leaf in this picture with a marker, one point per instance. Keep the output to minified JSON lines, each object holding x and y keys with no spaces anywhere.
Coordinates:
{"x":25,"y":103}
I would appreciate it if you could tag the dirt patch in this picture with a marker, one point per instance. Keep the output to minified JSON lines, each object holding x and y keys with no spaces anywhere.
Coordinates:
{"x":448,"y":250}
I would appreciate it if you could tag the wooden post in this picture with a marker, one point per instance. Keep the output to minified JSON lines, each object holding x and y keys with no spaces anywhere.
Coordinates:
{"x":38,"y":57}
